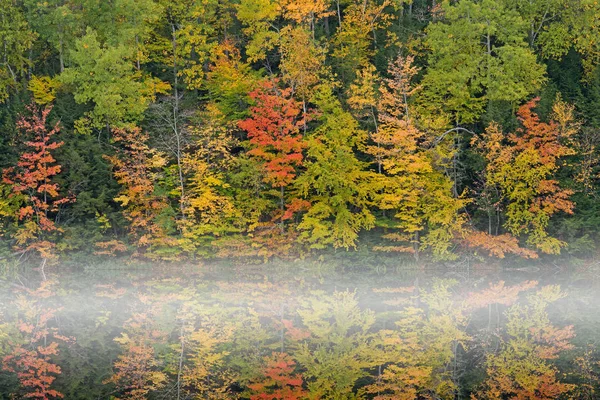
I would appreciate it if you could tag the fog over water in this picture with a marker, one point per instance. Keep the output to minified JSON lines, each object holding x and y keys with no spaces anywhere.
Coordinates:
{"x":300,"y":330}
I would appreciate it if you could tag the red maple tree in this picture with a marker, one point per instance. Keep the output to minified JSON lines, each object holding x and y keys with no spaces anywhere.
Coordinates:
{"x":31,"y":182}
{"x":274,"y":135}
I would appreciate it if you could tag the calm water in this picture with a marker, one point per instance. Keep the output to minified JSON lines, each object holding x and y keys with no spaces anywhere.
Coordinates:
{"x":300,"y":330}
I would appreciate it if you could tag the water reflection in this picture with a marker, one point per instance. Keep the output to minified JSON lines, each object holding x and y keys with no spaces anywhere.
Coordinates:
{"x":263,"y":335}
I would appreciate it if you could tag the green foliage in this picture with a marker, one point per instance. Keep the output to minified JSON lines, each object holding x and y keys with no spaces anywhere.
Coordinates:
{"x":335,"y":182}
{"x":16,"y":38}
{"x":105,"y":76}
{"x":479,"y":53}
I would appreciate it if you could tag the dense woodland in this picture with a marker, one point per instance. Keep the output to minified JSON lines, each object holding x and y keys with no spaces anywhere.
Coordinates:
{"x":183,"y":129}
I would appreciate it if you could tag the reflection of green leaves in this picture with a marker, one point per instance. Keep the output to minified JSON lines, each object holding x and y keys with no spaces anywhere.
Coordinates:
{"x":338,"y":351}
{"x":103,"y":318}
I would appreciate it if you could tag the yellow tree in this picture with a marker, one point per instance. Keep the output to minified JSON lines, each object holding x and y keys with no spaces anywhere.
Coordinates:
{"x":418,"y":193}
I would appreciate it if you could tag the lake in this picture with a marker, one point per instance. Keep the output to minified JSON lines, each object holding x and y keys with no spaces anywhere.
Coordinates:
{"x":340,"y":329}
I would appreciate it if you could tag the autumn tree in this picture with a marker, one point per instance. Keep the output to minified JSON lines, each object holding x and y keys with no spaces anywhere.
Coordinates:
{"x":524,"y":170}
{"x":35,"y":347}
{"x":336,"y":183}
{"x":337,"y":352}
{"x":279,"y":381}
{"x":521,"y":369}
{"x":274,"y":138}
{"x":414,"y":188}
{"x":354,"y":39}
{"x":135,"y":369}
{"x":137,"y":168}
{"x":416,"y":354}
{"x":229,"y":82}
{"x":32,"y":183}
{"x":208,"y":207}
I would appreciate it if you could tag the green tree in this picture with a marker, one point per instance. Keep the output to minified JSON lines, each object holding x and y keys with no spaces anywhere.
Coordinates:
{"x":105,"y":76}
{"x":335,"y":182}
{"x":16,"y":39}
{"x":478,"y":54}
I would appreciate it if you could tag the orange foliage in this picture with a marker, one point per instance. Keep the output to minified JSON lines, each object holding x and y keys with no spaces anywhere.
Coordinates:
{"x":497,"y":246}
{"x":279,"y":382}
{"x":31,"y":180}
{"x":31,"y":357}
{"x":524,"y":170}
{"x":273,"y":131}
{"x":498,"y":294}
{"x":135,"y":169}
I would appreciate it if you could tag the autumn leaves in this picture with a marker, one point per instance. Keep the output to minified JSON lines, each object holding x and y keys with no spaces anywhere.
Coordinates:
{"x":284,"y":128}
{"x":175,"y":338}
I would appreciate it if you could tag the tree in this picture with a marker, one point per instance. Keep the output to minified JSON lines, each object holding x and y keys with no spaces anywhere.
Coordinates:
{"x":478,"y":54}
{"x":32,"y":183}
{"x":257,"y":16}
{"x":413,"y":187}
{"x":352,"y":43}
{"x":521,"y":369}
{"x":105,"y":76}
{"x":338,"y":351}
{"x":35,"y":345}
{"x":274,"y":137}
{"x":279,"y":381}
{"x":146,"y":209}
{"x":524,"y":170}
{"x":230,"y":81}
{"x":209,"y":209}
{"x":58,"y":22}
{"x":136,"y":373}
{"x":335,"y":182}
{"x":16,"y":39}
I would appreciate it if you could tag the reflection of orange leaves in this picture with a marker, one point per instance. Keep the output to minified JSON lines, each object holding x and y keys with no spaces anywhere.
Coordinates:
{"x":498,"y":294}
{"x":408,"y":289}
{"x":401,"y":383}
{"x":109,"y":291}
{"x":278,"y":381}
{"x":396,"y":302}
{"x":556,"y":340}
{"x":295,"y":333}
{"x":34,"y":370}
{"x":25,"y":327}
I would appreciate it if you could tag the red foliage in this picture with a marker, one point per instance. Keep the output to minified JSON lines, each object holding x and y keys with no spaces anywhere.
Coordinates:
{"x":273,"y":131}
{"x":547,"y":139}
{"x":34,"y":369}
{"x":31,"y":179}
{"x":31,"y":357}
{"x":279,"y":381}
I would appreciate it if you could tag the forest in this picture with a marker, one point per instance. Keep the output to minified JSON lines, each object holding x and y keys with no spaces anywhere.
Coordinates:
{"x":194,"y":129}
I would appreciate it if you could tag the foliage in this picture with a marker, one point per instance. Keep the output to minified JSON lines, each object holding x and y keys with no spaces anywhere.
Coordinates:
{"x":332,"y":118}
{"x":31,"y":182}
{"x":524,"y":171}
